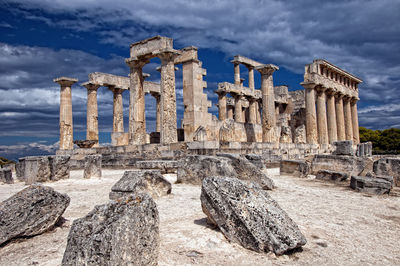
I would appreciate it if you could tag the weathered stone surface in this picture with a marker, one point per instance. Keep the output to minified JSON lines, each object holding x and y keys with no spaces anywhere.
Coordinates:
{"x":331,"y":175}
{"x":37,"y":169}
{"x":92,"y":166}
{"x":20,"y":169}
{"x":384,"y":177}
{"x":300,"y":134}
{"x":6,"y":176}
{"x":132,"y":182}
{"x":164,"y":165}
{"x":344,"y":147}
{"x":194,"y":169}
{"x":256,"y":159}
{"x":388,"y":167}
{"x":370,"y":185}
{"x":294,"y":168}
{"x":59,"y":167}
{"x":87,"y":144}
{"x":30,"y":212}
{"x":249,"y":216}
{"x":351,"y":165}
{"x":118,"y":233}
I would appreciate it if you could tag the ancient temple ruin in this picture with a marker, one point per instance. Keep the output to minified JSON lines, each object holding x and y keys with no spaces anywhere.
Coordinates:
{"x":261,"y":118}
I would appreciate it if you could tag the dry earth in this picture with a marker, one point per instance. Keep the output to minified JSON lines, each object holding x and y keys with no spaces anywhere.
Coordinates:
{"x":342,"y":227}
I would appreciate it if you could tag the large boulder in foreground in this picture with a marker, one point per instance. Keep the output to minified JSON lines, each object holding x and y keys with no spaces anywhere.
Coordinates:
{"x":122,"y":232}
{"x":132,"y":182}
{"x":30,"y":212}
{"x":193,"y":169}
{"x":247,"y":215}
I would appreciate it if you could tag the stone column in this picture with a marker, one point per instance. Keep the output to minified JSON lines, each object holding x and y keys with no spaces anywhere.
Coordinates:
{"x":237,"y":73}
{"x":92,"y":115}
{"x":354,"y":116}
{"x":253,"y":111}
{"x":251,"y":77}
{"x":311,"y":114}
{"x":347,"y":118}
{"x":340,"y":117}
{"x":137,"y":119}
{"x":268,"y":103}
{"x":258,"y":113}
{"x":332,"y":129}
{"x":230,"y":112}
{"x":66,"y":125}
{"x":222,"y":106}
{"x":168,"y":133}
{"x":118,"y":113}
{"x":321,"y":117}
{"x":158,"y":111}
{"x":238,"y":108}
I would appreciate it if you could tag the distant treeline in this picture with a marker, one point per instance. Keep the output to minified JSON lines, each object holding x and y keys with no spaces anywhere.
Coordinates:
{"x":383,"y":141}
{"x":4,"y":161}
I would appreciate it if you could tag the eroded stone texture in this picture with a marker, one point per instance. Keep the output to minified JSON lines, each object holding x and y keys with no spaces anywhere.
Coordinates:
{"x":249,"y":216}
{"x":294,"y":168}
{"x":92,"y":128}
{"x":30,"y":212}
{"x":6,"y":176}
{"x":344,"y":147}
{"x":59,"y":167}
{"x":166,"y":166}
{"x":331,"y":175}
{"x":340,"y":117}
{"x":311,"y":113}
{"x":321,"y":116}
{"x":388,"y":167}
{"x":341,"y":163}
{"x":370,"y":185}
{"x":117,"y":233}
{"x":134,"y":182}
{"x":92,"y":166}
{"x":37,"y":169}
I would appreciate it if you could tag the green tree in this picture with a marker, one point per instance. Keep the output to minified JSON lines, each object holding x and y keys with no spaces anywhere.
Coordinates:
{"x":386,"y":141}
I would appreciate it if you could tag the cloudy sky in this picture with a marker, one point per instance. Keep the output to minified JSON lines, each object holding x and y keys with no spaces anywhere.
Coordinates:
{"x":41,"y":40}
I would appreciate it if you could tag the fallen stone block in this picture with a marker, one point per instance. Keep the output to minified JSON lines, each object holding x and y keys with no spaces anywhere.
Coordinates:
{"x":339,"y":163}
{"x":92,"y":166}
{"x":133,"y":182}
{"x":344,"y":147}
{"x":370,"y":185}
{"x":30,"y":212}
{"x":256,"y":159}
{"x":294,"y":168}
{"x":6,"y":176}
{"x":20,"y":169}
{"x":59,"y":167}
{"x":37,"y":169}
{"x":193,"y":169}
{"x":122,"y":232}
{"x":247,"y":215}
{"x":331,"y":175}
{"x":388,"y":167}
{"x":164,"y":165}
{"x":384,"y":177}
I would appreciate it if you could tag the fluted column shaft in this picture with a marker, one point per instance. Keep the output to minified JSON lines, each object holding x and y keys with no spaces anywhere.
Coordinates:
{"x":340,"y":117}
{"x":331,"y":116}
{"x":222,"y":106}
{"x":251,"y":77}
{"x":92,"y":115}
{"x":253,"y":111}
{"x":354,"y":116}
{"x":321,"y":117}
{"x":347,"y":118}
{"x":238,"y":108}
{"x":311,"y":114}
{"x":237,"y":73}
{"x":118,"y":113}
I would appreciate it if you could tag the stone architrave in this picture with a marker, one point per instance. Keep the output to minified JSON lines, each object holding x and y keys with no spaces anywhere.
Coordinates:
{"x":268,"y":102}
{"x":354,"y":116}
{"x":340,"y":117}
{"x":311,"y":114}
{"x":92,"y":115}
{"x":321,"y":116}
{"x":331,"y":116}
{"x":168,"y":132}
{"x":137,"y":123}
{"x":118,"y":113}
{"x":66,"y":125}
{"x":222,"y":106}
{"x":348,"y":119}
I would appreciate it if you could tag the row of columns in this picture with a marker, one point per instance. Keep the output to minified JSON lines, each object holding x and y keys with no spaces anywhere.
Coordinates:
{"x":335,"y":117}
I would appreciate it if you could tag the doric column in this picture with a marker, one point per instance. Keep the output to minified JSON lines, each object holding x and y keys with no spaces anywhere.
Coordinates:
{"x":311,"y":114}
{"x":230,"y":112}
{"x":158,"y":111}
{"x":268,"y":102}
{"x":168,"y":133}
{"x":331,"y":116}
{"x":137,"y":119}
{"x":66,"y":125}
{"x":251,"y":77}
{"x":222,"y":106}
{"x":321,"y":116}
{"x":92,"y":115}
{"x":354,"y":116}
{"x":258,"y":113}
{"x":118,"y":113}
{"x":237,"y":73}
{"x":347,"y":118}
{"x":253,"y":111}
{"x":341,"y":135}
{"x":238,"y":108}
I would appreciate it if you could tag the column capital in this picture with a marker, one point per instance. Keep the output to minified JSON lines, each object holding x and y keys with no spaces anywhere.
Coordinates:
{"x":167,"y":55}
{"x":339,"y":95}
{"x":320,"y":89}
{"x":134,"y":62}
{"x":354,"y":99}
{"x":114,"y":88}
{"x":90,"y":86}
{"x":330,"y":92}
{"x":308,"y":85}
{"x":267,"y":69}
{"x":65,"y":81}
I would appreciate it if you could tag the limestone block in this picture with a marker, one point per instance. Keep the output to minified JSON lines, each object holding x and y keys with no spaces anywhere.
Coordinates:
{"x":351,"y":165}
{"x":6,"y":176}
{"x":151,"y":45}
{"x":344,"y":147}
{"x":247,"y":215}
{"x":166,"y":166}
{"x":256,"y":159}
{"x":331,"y":175}
{"x":134,"y":182}
{"x":119,"y":138}
{"x":37,"y":169}
{"x":388,"y":167}
{"x":200,"y":134}
{"x":370,"y":185}
{"x":20,"y":169}
{"x":300,"y":134}
{"x":384,"y":177}
{"x":59,"y":167}
{"x":294,"y":168}
{"x":92,"y":166}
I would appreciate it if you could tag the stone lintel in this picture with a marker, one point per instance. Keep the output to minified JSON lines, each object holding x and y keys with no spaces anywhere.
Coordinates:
{"x":107,"y":80}
{"x":337,"y":70}
{"x":238,"y":59}
{"x":188,"y":54}
{"x":65,"y":81}
{"x":146,"y":48}
{"x":152,"y":88}
{"x":267,"y":69}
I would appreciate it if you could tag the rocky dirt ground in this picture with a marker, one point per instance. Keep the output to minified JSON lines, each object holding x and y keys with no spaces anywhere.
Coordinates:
{"x":342,"y":227}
